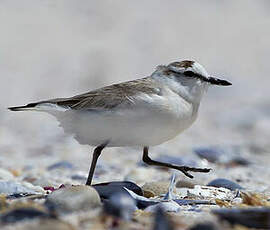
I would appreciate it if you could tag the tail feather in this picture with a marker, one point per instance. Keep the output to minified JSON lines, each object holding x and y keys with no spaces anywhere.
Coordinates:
{"x":30,"y":106}
{"x":40,"y":106}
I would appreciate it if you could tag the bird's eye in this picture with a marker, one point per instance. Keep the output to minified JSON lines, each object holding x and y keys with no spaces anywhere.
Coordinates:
{"x":189,"y":73}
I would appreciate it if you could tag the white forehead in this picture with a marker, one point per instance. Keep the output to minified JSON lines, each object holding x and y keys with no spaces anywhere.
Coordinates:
{"x":198,"y":69}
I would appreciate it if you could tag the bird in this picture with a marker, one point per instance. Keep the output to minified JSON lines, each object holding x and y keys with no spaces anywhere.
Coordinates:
{"x":144,"y":112}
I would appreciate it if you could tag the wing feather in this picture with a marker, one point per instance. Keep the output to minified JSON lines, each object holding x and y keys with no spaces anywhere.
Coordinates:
{"x":110,"y":96}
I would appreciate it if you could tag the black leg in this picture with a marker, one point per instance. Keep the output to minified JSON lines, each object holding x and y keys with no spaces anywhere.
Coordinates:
{"x":96,"y":154}
{"x":183,"y":169}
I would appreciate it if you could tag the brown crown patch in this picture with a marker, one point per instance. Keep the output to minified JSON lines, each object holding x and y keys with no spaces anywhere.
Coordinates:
{"x":184,"y":64}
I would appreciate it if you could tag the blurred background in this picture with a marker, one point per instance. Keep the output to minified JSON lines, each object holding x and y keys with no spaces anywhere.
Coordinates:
{"x":59,"y":48}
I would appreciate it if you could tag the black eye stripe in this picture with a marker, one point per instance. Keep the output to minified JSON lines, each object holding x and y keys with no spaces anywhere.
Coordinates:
{"x":192,"y":74}
{"x":195,"y":75}
{"x":189,"y":74}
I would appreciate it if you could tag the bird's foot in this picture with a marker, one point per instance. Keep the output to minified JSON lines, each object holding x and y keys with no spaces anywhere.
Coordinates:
{"x":186,"y":170}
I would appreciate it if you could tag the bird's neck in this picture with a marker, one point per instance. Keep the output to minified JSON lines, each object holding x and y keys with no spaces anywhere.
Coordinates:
{"x":190,"y":89}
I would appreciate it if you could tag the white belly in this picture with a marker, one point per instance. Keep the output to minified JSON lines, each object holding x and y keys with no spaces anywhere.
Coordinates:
{"x":143,"y":125}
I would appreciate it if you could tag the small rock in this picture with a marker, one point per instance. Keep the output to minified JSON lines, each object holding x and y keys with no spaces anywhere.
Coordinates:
{"x":74,"y":198}
{"x":238,"y":160}
{"x":5,"y":175}
{"x":106,"y":190}
{"x":81,"y":176}
{"x":185,"y":184}
{"x":167,"y":206}
{"x":224,"y":183}
{"x":213,"y":155}
{"x":251,"y":217}
{"x":78,"y":177}
{"x":152,"y":189}
{"x":204,"y":226}
{"x":162,"y":220}
{"x":22,"y":214}
{"x":11,"y":188}
{"x":228,"y":155}
{"x":120,"y":205}
{"x":61,"y":164}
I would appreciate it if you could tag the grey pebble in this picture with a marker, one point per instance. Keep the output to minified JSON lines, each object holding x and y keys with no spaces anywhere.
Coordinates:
{"x":223,"y":155}
{"x":120,"y":205}
{"x":74,"y":198}
{"x":60,"y":164}
{"x":225,"y":183}
{"x":21,"y":214}
{"x":162,"y":220}
{"x":251,"y":217}
{"x":167,"y":206}
{"x":11,"y":188}
{"x":78,"y":177}
{"x":204,"y":226}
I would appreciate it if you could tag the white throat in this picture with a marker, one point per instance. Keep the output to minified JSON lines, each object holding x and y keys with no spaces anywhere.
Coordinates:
{"x":191,"y":89}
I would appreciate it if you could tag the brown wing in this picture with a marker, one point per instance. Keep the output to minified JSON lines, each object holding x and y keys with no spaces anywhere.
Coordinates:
{"x":108,"y":97}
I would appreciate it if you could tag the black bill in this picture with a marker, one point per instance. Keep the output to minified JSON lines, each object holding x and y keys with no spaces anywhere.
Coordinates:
{"x":216,"y":81}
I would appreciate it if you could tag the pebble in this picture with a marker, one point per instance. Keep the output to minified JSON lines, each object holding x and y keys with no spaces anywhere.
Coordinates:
{"x":5,"y":175}
{"x":213,"y":154}
{"x":11,"y":188}
{"x":60,"y":165}
{"x":251,"y":217}
{"x":152,"y":189}
{"x":228,"y":155}
{"x":120,"y":205}
{"x":162,"y":220}
{"x":185,"y":183}
{"x":204,"y":226}
{"x":167,"y":206}
{"x":221,"y":182}
{"x":21,"y":214}
{"x":74,"y":198}
{"x":80,"y":176}
{"x":106,"y":190}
